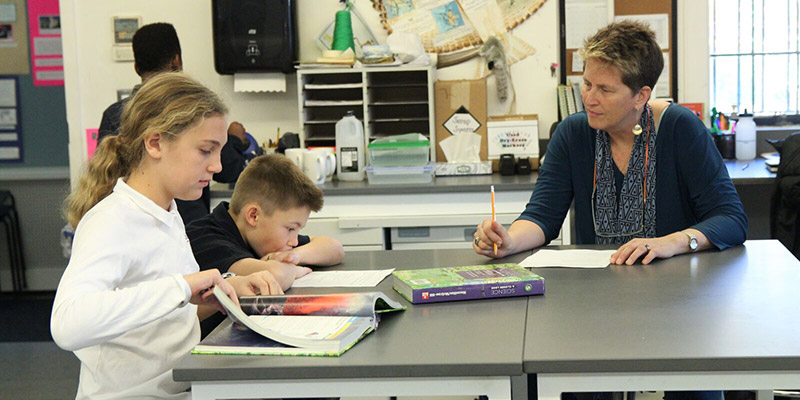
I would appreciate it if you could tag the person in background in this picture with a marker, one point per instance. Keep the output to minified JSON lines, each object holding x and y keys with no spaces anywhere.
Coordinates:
{"x":259,"y":229}
{"x":156,"y":49}
{"x":129,"y":300}
{"x":644,"y":175}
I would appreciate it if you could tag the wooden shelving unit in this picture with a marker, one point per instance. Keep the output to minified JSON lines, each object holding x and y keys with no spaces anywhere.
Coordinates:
{"x":388,"y":100}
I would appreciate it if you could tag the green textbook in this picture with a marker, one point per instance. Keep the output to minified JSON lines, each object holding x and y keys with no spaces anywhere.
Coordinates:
{"x":466,"y":283}
{"x":302,"y":325}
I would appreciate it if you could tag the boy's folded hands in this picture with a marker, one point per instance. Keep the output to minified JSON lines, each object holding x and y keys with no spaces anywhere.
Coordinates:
{"x":289,"y":257}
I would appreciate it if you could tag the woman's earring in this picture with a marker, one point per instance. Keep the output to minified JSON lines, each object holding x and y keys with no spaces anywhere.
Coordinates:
{"x":637,"y":129}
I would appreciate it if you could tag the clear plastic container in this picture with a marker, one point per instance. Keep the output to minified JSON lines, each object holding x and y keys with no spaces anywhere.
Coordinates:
{"x":409,"y":150}
{"x":400,"y":175}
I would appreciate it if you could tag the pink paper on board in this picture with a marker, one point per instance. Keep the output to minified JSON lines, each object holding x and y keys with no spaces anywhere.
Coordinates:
{"x":44,"y":25}
{"x":91,"y":142}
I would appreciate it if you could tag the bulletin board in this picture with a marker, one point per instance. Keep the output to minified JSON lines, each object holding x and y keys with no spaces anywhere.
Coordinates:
{"x":13,"y":38}
{"x":580,"y":17}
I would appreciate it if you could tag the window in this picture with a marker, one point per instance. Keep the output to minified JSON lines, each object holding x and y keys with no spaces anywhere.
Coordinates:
{"x":755,"y":56}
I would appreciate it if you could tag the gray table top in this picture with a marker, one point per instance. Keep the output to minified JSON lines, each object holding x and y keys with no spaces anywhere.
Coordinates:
{"x":710,"y":311}
{"x":741,"y":172}
{"x":466,"y":338}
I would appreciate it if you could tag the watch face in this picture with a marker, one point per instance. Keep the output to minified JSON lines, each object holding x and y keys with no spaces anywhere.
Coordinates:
{"x":693,"y":243}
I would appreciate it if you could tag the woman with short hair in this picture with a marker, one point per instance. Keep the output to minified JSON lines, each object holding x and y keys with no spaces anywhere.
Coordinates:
{"x":644,"y":175}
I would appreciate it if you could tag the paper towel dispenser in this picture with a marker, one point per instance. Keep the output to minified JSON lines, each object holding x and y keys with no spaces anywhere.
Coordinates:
{"x":254,"y":35}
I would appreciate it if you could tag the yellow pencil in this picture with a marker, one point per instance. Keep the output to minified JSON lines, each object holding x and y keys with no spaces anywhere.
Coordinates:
{"x":494,"y":218}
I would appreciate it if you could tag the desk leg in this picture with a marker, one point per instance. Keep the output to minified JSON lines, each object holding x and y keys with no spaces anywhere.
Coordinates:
{"x":550,"y":386}
{"x":494,"y":387}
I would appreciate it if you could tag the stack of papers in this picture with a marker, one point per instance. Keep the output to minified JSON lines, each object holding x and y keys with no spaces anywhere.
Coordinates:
{"x":342,"y":278}
{"x":577,"y":258}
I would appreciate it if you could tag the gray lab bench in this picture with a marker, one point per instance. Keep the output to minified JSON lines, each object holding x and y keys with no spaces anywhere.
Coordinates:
{"x":456,"y":348}
{"x":710,"y":320}
{"x":705,"y":321}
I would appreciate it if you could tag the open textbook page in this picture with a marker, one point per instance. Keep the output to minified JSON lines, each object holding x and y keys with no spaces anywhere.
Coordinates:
{"x":296,"y":325}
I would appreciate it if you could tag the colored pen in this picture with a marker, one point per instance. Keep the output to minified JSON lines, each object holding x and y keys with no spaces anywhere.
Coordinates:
{"x":494,"y":218}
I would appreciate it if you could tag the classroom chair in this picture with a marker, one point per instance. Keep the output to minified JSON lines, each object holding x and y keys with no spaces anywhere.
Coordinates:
{"x":10,"y":220}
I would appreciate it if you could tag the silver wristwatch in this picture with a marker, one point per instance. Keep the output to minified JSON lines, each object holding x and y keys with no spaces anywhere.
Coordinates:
{"x":692,"y":241}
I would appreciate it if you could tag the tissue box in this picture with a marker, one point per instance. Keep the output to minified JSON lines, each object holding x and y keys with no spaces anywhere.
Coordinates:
{"x":457,"y":169}
{"x":460,"y":105}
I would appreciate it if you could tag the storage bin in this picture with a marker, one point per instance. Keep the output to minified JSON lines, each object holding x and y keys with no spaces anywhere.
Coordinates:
{"x":409,"y":150}
{"x":400,"y":175}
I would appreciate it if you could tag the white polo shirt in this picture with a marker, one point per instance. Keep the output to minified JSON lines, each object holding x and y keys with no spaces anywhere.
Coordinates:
{"x":122,"y":304}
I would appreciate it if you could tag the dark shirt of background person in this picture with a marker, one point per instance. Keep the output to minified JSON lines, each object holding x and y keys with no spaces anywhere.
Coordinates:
{"x":156,"y":49}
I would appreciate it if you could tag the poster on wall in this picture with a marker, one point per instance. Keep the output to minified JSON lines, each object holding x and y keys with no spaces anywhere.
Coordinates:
{"x":45,"y":32}
{"x":449,"y":25}
{"x":10,"y":126}
{"x":13,"y":38}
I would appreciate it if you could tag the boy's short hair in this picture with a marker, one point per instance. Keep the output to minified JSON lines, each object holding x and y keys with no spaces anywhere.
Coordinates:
{"x":154,"y":46}
{"x":275,"y":183}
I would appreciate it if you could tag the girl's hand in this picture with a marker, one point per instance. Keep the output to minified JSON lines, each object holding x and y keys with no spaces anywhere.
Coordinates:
{"x":258,"y":283}
{"x":487,"y":235}
{"x":201,"y":284}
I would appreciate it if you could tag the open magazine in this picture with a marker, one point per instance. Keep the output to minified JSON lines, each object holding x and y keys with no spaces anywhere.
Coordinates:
{"x":326,"y":324}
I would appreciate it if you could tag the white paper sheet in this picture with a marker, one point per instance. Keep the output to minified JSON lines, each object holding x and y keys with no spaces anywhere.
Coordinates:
{"x":663,"y":86}
{"x":659,"y":23}
{"x":343,"y":278}
{"x":578,"y":258}
{"x":8,"y":93}
{"x":583,"y":19}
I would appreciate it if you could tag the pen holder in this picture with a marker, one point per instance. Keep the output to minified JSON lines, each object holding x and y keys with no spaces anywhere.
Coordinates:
{"x":726,"y":144}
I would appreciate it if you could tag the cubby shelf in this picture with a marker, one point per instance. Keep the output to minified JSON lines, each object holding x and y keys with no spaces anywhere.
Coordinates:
{"x":389,"y":101}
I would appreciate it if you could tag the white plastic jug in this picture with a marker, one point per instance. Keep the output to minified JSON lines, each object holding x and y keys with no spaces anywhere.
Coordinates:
{"x":745,"y":137}
{"x":350,"y":148}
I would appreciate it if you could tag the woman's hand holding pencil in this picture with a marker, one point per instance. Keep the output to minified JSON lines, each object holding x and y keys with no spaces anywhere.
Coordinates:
{"x":490,"y":234}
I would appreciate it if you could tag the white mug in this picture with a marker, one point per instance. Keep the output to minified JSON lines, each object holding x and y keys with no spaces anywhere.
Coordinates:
{"x":330,"y":161}
{"x":314,"y":166}
{"x":296,"y":155}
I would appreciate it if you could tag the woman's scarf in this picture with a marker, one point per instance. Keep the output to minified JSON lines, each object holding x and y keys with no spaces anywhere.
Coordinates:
{"x":635,"y":216}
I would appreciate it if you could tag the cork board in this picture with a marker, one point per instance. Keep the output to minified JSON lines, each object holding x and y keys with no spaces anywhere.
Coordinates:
{"x":623,"y":8}
{"x":14,"y":38}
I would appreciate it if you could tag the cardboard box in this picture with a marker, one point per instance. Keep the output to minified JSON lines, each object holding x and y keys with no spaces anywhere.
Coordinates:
{"x":467,"y":98}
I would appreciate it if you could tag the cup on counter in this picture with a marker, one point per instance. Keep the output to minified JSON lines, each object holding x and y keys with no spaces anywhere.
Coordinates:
{"x":296,"y":155}
{"x":314,"y":166}
{"x":330,"y":160}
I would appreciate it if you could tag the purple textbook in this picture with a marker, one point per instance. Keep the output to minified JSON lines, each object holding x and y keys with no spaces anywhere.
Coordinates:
{"x":466,"y":283}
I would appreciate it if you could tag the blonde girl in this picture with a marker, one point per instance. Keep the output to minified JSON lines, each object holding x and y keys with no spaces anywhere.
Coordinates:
{"x":127,"y":302}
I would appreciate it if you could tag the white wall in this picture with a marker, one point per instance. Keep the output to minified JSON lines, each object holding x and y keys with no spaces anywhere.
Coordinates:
{"x":92,"y":78}
{"x":693,"y":50}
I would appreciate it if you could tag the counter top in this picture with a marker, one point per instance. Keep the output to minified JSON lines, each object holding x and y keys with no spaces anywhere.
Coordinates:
{"x":473,"y":183}
{"x":752,"y":172}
